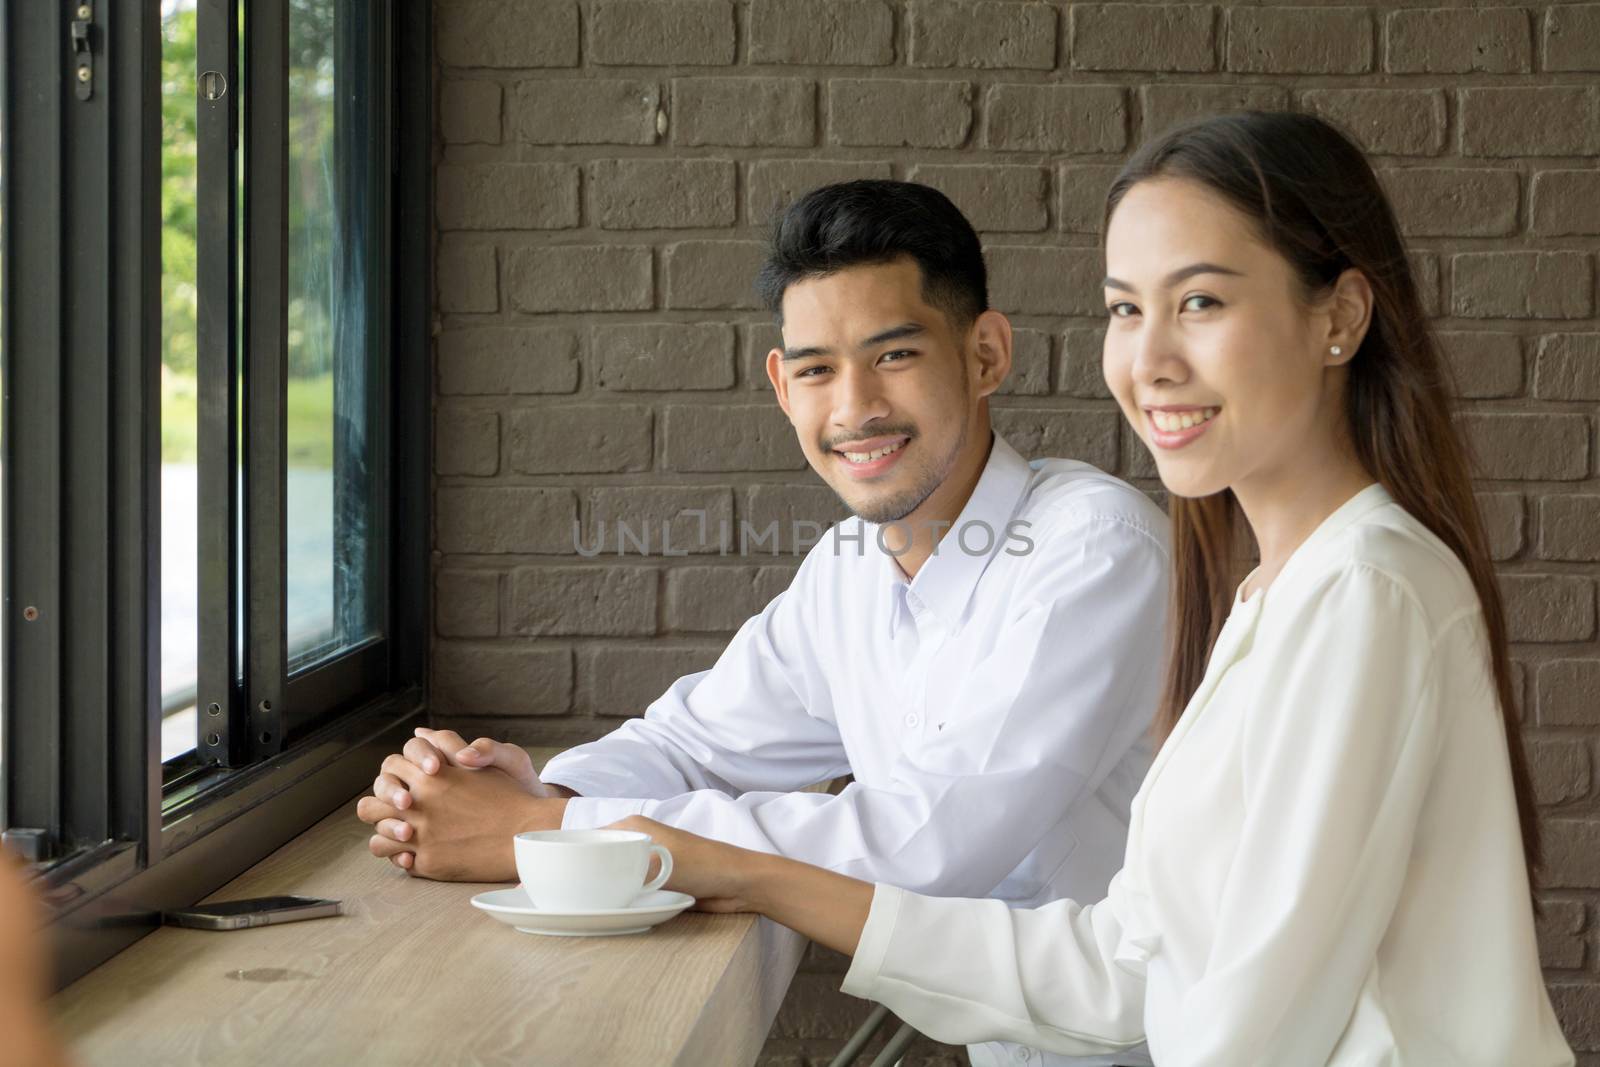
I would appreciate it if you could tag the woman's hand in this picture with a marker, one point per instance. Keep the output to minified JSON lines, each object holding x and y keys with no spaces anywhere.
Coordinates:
{"x":720,"y":877}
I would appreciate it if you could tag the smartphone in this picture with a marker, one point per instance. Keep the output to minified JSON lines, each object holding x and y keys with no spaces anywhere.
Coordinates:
{"x":257,"y":911}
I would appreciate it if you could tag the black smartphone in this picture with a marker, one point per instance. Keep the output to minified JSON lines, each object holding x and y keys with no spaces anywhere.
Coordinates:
{"x":257,"y":911}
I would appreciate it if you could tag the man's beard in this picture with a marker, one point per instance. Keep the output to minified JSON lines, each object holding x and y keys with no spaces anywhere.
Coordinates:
{"x":902,"y":504}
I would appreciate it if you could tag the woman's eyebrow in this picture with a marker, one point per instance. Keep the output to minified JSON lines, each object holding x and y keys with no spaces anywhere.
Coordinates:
{"x":1181,"y":274}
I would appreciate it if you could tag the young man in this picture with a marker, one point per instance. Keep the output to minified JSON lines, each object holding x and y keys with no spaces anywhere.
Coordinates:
{"x":978,"y":645}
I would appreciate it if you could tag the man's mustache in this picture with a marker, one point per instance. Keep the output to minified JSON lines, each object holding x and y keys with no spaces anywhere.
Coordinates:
{"x":839,"y":443}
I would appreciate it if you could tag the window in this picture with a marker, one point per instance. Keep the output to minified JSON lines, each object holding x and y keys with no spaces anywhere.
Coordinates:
{"x":213,"y":444}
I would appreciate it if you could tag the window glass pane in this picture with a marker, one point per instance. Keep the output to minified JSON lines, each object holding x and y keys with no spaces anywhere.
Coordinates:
{"x":333,"y":493}
{"x":179,"y":395}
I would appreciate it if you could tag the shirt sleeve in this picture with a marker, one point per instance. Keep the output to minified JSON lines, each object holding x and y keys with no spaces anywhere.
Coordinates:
{"x":1040,"y":722}
{"x":1337,"y":757}
{"x":1060,"y":977}
{"x":756,"y":720}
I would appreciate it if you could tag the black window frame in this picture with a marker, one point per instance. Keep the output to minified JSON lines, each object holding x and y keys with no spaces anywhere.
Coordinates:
{"x":116,"y":837}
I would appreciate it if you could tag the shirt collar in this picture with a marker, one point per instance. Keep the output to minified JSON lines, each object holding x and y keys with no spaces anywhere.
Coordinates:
{"x":947,"y":580}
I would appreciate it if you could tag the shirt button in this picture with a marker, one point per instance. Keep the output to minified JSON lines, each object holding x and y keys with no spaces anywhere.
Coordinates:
{"x":1021,"y":1055}
{"x":912,"y":719}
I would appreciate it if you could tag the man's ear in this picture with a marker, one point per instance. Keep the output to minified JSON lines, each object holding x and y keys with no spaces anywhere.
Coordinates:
{"x":780,"y":384}
{"x":991,"y":333}
{"x":1349,"y":316}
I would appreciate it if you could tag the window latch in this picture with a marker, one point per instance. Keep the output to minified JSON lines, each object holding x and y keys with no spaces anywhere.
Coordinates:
{"x":30,"y":845}
{"x":82,"y":57}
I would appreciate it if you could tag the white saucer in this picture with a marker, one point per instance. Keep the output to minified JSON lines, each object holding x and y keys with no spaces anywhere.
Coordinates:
{"x":512,"y":907}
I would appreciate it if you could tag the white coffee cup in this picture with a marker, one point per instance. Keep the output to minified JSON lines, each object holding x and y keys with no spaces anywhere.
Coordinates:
{"x":587,"y":870}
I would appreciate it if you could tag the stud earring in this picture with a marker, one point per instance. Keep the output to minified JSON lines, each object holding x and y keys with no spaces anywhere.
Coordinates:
{"x":1336,"y":350}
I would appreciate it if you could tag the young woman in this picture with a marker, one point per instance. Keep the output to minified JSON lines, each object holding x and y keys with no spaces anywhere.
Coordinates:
{"x":1329,"y":861}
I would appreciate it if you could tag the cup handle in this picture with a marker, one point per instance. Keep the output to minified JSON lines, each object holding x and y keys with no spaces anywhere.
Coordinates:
{"x":666,"y":870}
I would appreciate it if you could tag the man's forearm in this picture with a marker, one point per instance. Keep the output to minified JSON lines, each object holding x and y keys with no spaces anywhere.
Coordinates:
{"x":543,"y":813}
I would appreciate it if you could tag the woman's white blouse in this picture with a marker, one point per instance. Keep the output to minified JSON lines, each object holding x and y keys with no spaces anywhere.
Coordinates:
{"x":1324,"y":864}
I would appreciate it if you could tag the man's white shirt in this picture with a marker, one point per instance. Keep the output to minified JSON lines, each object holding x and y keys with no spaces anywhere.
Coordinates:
{"x":994,"y":711}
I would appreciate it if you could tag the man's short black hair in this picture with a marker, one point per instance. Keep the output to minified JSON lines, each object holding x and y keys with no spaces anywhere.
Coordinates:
{"x":873,"y":221}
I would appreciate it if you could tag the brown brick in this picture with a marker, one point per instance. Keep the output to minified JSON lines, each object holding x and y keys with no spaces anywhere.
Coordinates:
{"x":744,"y":112}
{"x":1577,"y":1008}
{"x":659,"y":520}
{"x":773,"y":518}
{"x":663,"y":356}
{"x":1484,"y":364}
{"x":1548,"y":607}
{"x":712,"y":274}
{"x":612,"y":601}
{"x":1561,"y":770}
{"x":1503,"y":522}
{"x":1572,"y":854}
{"x":1572,"y":37}
{"x":1522,"y":285}
{"x":1135,"y":461}
{"x":1569,"y":527}
{"x":1081,"y":373}
{"x":747,"y":437}
{"x":1519,"y":690}
{"x":466,"y":440}
{"x":621,"y":681}
{"x":1030,"y":365}
{"x":994,"y":197}
{"x":773,"y":184}
{"x":982,"y":33}
{"x":1081,"y":195}
{"x":821,"y":960}
{"x":1569,"y":692}
{"x":467,"y":276}
{"x":507,"y":196}
{"x":1164,"y":106}
{"x":581,"y":278}
{"x":1045,"y":280}
{"x":1568,"y":367}
{"x":831,"y":33}
{"x":507,"y":33}
{"x":1453,"y":201}
{"x":1545,"y":120}
{"x":1089,"y":436}
{"x":1425,"y":271}
{"x":758,"y":339}
{"x":1454,"y":40}
{"x":1299,"y":40}
{"x":586,"y":111}
{"x":500,"y":361}
{"x":1528,"y":447}
{"x":893,"y":112}
{"x":1386,"y":122}
{"x":1566,"y":203}
{"x":579,"y":439}
{"x":720,"y":599}
{"x":815,"y":1008}
{"x":1561,"y":926}
{"x":469,"y":111}
{"x":1056,"y":118}
{"x":501,"y":679}
{"x":643,"y":194}
{"x":1154,"y":37}
{"x":786,"y":519}
{"x":506,"y":519}
{"x":652,"y":34}
{"x":466,"y":603}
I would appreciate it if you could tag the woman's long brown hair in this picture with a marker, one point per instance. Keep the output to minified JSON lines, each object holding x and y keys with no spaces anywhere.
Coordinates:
{"x":1314,"y":198}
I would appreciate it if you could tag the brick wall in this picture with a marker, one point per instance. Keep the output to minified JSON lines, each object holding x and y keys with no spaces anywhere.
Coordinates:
{"x":603,"y":171}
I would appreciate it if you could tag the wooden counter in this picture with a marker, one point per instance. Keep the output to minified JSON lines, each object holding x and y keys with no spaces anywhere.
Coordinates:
{"x":411,"y":973}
